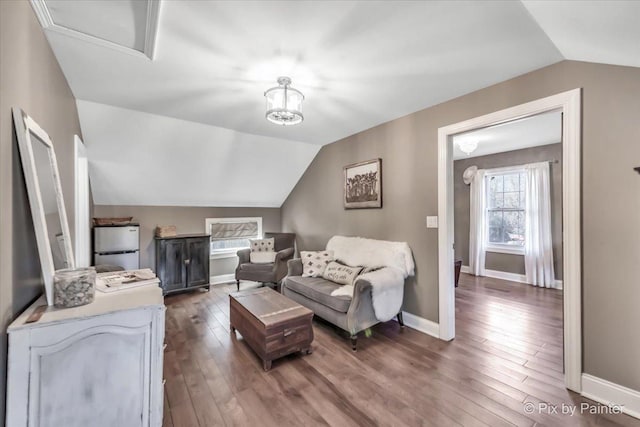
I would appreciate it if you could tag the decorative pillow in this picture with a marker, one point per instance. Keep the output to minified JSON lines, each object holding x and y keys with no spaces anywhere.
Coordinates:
{"x":262,"y":257}
{"x":314,"y":262}
{"x":262,"y":245}
{"x":341,"y":274}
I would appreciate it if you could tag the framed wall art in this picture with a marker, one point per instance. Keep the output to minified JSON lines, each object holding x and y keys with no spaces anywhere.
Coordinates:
{"x":363,"y":185}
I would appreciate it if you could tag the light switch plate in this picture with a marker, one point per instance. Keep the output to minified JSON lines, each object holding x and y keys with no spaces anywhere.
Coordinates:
{"x":432,"y":222}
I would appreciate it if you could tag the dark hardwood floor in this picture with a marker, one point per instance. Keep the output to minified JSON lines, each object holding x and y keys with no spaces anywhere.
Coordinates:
{"x":508,"y":351}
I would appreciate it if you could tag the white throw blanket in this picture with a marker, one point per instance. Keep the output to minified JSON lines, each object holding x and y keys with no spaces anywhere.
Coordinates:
{"x":394,"y":260}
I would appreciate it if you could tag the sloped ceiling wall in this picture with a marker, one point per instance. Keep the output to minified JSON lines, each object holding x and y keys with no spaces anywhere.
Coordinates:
{"x":139,"y":158}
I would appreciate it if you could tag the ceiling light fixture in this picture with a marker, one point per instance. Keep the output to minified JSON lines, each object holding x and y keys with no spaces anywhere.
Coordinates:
{"x":468,"y":146}
{"x":284,"y":104}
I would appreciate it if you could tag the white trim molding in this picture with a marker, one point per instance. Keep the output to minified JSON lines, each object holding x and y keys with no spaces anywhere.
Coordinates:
{"x":497,"y":248}
{"x":495,"y":274}
{"x":569,"y":103}
{"x":151,"y":30}
{"x":82,"y":224}
{"x":609,"y":393}
{"x":222,"y":278}
{"x":421,"y":324}
{"x":504,"y":275}
{"x":224,"y":254}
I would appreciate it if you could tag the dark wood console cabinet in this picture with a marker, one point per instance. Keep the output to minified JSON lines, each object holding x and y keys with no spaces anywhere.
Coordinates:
{"x":182,"y":262}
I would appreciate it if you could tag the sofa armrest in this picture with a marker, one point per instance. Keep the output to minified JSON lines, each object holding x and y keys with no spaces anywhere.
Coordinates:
{"x":361,"y":314}
{"x":295,"y":267}
{"x":244,"y":256}
{"x":361,"y":286}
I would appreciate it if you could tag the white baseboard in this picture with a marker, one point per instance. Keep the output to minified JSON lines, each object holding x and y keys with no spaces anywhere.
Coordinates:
{"x":421,"y":324}
{"x":513,"y":277}
{"x":609,"y":393}
{"x":503,"y":275}
{"x":222,"y":278}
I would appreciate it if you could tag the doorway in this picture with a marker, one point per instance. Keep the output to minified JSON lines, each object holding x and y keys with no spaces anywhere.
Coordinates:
{"x":569,"y":105}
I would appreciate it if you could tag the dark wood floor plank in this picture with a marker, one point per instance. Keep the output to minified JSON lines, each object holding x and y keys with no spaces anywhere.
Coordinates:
{"x":166,"y":420}
{"x":204,"y":404}
{"x":507,"y":351}
{"x":183,"y":415}
{"x":290,"y":393}
{"x":176,"y":391}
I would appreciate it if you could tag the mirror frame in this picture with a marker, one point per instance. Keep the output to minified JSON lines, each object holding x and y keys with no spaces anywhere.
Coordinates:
{"x":25,"y":126}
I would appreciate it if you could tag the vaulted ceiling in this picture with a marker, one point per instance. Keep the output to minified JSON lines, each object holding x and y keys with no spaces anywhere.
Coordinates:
{"x":359,"y":64}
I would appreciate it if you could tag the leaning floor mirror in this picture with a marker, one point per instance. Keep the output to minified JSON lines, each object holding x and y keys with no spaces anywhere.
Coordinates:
{"x":45,"y":198}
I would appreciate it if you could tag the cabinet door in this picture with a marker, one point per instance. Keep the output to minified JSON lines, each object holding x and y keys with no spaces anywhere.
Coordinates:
{"x":95,"y":372}
{"x":198,"y":265}
{"x":172,"y":254}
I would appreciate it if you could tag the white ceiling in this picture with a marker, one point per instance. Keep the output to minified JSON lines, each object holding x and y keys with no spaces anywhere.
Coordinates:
{"x":592,"y":31}
{"x":358,"y":63}
{"x":138,"y":158}
{"x":541,"y":129}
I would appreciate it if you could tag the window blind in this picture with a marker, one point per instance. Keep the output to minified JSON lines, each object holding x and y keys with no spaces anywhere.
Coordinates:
{"x":234,"y":230}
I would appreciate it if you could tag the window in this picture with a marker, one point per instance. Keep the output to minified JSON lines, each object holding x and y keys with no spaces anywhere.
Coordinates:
{"x":506,"y":211}
{"x":229,"y":235}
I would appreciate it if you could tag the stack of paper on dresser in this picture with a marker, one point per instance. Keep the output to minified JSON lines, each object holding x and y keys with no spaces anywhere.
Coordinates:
{"x":118,"y":280}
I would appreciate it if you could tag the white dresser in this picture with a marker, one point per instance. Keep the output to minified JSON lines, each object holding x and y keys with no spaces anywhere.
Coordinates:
{"x":95,"y":365}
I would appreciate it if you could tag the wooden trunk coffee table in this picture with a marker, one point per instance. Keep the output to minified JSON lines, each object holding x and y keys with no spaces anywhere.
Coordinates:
{"x":272,"y":324}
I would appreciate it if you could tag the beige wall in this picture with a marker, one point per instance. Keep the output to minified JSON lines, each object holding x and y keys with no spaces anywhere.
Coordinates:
{"x":499,"y":261}
{"x":611,"y":199}
{"x":187,"y":220}
{"x":31,"y":79}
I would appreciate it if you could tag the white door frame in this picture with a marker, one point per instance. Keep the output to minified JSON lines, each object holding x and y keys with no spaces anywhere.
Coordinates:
{"x":570,"y":104}
{"x":82,"y":220}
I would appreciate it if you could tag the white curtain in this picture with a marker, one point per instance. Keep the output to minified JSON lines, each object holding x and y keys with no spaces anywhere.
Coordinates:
{"x":477,"y":221}
{"x":538,"y":249}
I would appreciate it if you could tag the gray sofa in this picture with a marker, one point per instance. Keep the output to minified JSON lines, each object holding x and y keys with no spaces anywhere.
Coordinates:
{"x":352,"y":314}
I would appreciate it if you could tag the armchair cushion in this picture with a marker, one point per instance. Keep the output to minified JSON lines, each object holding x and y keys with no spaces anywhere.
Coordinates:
{"x":260,"y":257}
{"x":262,"y":245}
{"x":251,"y":267}
{"x":319,"y":290}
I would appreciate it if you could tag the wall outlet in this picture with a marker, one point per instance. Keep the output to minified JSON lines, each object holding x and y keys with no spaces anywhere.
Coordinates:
{"x":432,"y":222}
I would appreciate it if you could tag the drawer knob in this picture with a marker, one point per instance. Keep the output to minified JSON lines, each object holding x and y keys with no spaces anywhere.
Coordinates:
{"x":288,"y":332}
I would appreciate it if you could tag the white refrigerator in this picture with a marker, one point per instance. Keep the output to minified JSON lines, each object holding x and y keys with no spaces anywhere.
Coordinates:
{"x":117,"y":245}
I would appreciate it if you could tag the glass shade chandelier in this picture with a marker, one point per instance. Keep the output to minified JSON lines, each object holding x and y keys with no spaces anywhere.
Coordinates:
{"x":284,"y":103}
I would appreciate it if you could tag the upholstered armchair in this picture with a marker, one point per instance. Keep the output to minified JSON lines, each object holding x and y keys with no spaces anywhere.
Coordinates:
{"x":284,"y":244}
